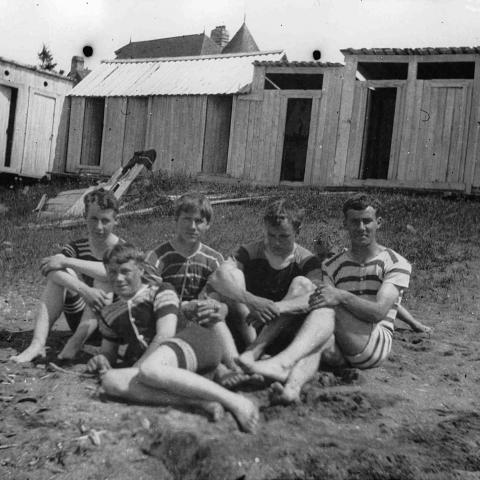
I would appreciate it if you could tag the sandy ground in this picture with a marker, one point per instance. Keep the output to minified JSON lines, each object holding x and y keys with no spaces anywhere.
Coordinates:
{"x":416,"y":417}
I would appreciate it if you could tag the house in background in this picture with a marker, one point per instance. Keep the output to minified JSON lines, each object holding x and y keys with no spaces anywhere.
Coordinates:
{"x":191,"y":45}
{"x":31,"y":102}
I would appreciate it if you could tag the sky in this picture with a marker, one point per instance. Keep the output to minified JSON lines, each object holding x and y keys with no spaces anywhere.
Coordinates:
{"x":297,"y":26}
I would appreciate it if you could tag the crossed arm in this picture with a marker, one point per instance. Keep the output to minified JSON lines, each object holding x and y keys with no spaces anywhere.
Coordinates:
{"x":165,"y":328}
{"x":365,"y":310}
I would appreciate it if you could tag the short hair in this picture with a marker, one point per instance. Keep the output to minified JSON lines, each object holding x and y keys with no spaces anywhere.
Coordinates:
{"x":361,"y":201}
{"x":192,"y":203}
{"x":103,"y":198}
{"x":122,"y":253}
{"x":282,"y":210}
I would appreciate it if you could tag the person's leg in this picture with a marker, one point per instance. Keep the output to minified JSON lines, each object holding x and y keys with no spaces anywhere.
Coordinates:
{"x":124,"y":383}
{"x":416,"y":325}
{"x":49,"y":309}
{"x":88,"y":324}
{"x":313,"y":335}
{"x":160,"y":370}
{"x":292,"y":307}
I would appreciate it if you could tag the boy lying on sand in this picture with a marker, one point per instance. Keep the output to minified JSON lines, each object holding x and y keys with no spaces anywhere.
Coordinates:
{"x":170,"y":366}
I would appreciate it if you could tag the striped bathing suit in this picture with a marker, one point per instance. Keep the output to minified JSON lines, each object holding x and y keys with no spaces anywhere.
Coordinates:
{"x":188,"y":275}
{"x":365,"y":280}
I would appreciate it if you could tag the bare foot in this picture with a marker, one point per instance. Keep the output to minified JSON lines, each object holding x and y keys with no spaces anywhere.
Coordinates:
{"x":283,"y":394}
{"x":214,"y":410}
{"x":246,"y":414}
{"x":421,"y":328}
{"x":32,"y":352}
{"x":247,"y":356}
{"x":270,"y":368}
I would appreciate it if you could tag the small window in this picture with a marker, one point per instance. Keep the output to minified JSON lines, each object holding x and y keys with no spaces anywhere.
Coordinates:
{"x":445,"y":70}
{"x":293,"y":81}
{"x":383,"y":70}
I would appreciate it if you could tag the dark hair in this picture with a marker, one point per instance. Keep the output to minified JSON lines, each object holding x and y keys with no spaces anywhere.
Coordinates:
{"x":361,"y":201}
{"x":192,"y":203}
{"x":103,"y":198}
{"x":282,"y":210}
{"x":122,"y":253}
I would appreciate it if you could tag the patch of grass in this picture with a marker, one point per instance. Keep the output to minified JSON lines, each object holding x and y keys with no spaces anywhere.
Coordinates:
{"x":432,"y":232}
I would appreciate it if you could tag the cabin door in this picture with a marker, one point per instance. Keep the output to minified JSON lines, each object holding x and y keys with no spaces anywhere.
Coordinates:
{"x":217,"y":134}
{"x":39,"y":136}
{"x":295,"y":144}
{"x":5,"y":99}
{"x":442,"y":131}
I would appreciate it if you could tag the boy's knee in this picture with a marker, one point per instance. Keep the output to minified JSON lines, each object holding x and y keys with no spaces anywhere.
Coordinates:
{"x":301,"y":285}
{"x":111,"y":384}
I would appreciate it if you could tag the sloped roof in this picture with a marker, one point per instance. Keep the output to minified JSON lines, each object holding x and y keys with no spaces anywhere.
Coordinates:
{"x":410,"y":51}
{"x":287,"y":63}
{"x":182,"y":46}
{"x":242,"y":41}
{"x":199,"y":75}
{"x":36,"y":69}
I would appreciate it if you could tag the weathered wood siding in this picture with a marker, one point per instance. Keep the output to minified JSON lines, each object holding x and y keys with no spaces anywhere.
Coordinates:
{"x":38,"y":109}
{"x":176,"y":132}
{"x":217,"y":134}
{"x":135,"y":127}
{"x":113,"y":134}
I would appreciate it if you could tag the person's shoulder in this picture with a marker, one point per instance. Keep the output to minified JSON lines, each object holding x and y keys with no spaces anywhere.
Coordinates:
{"x":74,"y":247}
{"x":211,"y":252}
{"x":254,"y":249}
{"x":336,"y":259}
{"x":302,"y":253}
{"x":394,"y":258}
{"x":162,"y":249}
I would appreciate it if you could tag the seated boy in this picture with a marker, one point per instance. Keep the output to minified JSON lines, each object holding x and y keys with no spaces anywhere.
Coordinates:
{"x":187,"y":263}
{"x":270,"y":281}
{"x":145,"y":317}
{"x":70,"y":280}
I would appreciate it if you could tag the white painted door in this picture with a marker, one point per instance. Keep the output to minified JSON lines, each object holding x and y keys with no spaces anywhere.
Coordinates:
{"x":39,"y":137}
{"x":5,"y":96}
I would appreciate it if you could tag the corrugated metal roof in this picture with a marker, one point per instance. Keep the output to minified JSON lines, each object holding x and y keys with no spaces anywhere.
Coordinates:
{"x":286,"y":63}
{"x":199,"y":75}
{"x":411,"y":51}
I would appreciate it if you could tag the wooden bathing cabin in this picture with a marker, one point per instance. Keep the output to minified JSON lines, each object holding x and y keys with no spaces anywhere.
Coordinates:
{"x":31,"y":102}
{"x":401,"y":118}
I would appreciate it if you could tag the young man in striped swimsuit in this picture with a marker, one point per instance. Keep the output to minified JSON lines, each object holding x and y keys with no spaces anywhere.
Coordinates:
{"x":76,"y":280}
{"x":357,"y":305}
{"x":187,"y":263}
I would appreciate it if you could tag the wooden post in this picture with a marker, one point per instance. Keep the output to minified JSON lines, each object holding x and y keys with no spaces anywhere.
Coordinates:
{"x":472,"y":167}
{"x":348,"y":88}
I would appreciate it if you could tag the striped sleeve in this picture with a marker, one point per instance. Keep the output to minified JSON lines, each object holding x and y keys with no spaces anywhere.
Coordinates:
{"x":397,"y":270}
{"x":166,"y":301}
{"x":69,"y":250}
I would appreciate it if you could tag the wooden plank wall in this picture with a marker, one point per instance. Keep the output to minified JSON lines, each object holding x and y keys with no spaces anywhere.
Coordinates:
{"x":92,"y":134}
{"x":61,"y":146}
{"x":472,"y":166}
{"x":135,"y":127}
{"x":326,"y":130}
{"x":176,"y":132}
{"x":75,"y":134}
{"x":113,"y":134}
{"x":256,"y":140}
{"x":217,"y":134}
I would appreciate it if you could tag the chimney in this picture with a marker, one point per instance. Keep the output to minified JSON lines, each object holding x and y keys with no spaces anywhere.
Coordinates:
{"x":77,"y":65}
{"x":220,"y":35}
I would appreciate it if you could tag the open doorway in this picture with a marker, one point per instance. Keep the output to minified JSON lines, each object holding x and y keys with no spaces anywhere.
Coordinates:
{"x":8,"y":107}
{"x":377,"y":139}
{"x":297,"y":129}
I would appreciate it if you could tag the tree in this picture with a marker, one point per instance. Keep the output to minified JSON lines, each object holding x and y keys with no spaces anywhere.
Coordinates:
{"x":46,"y":59}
